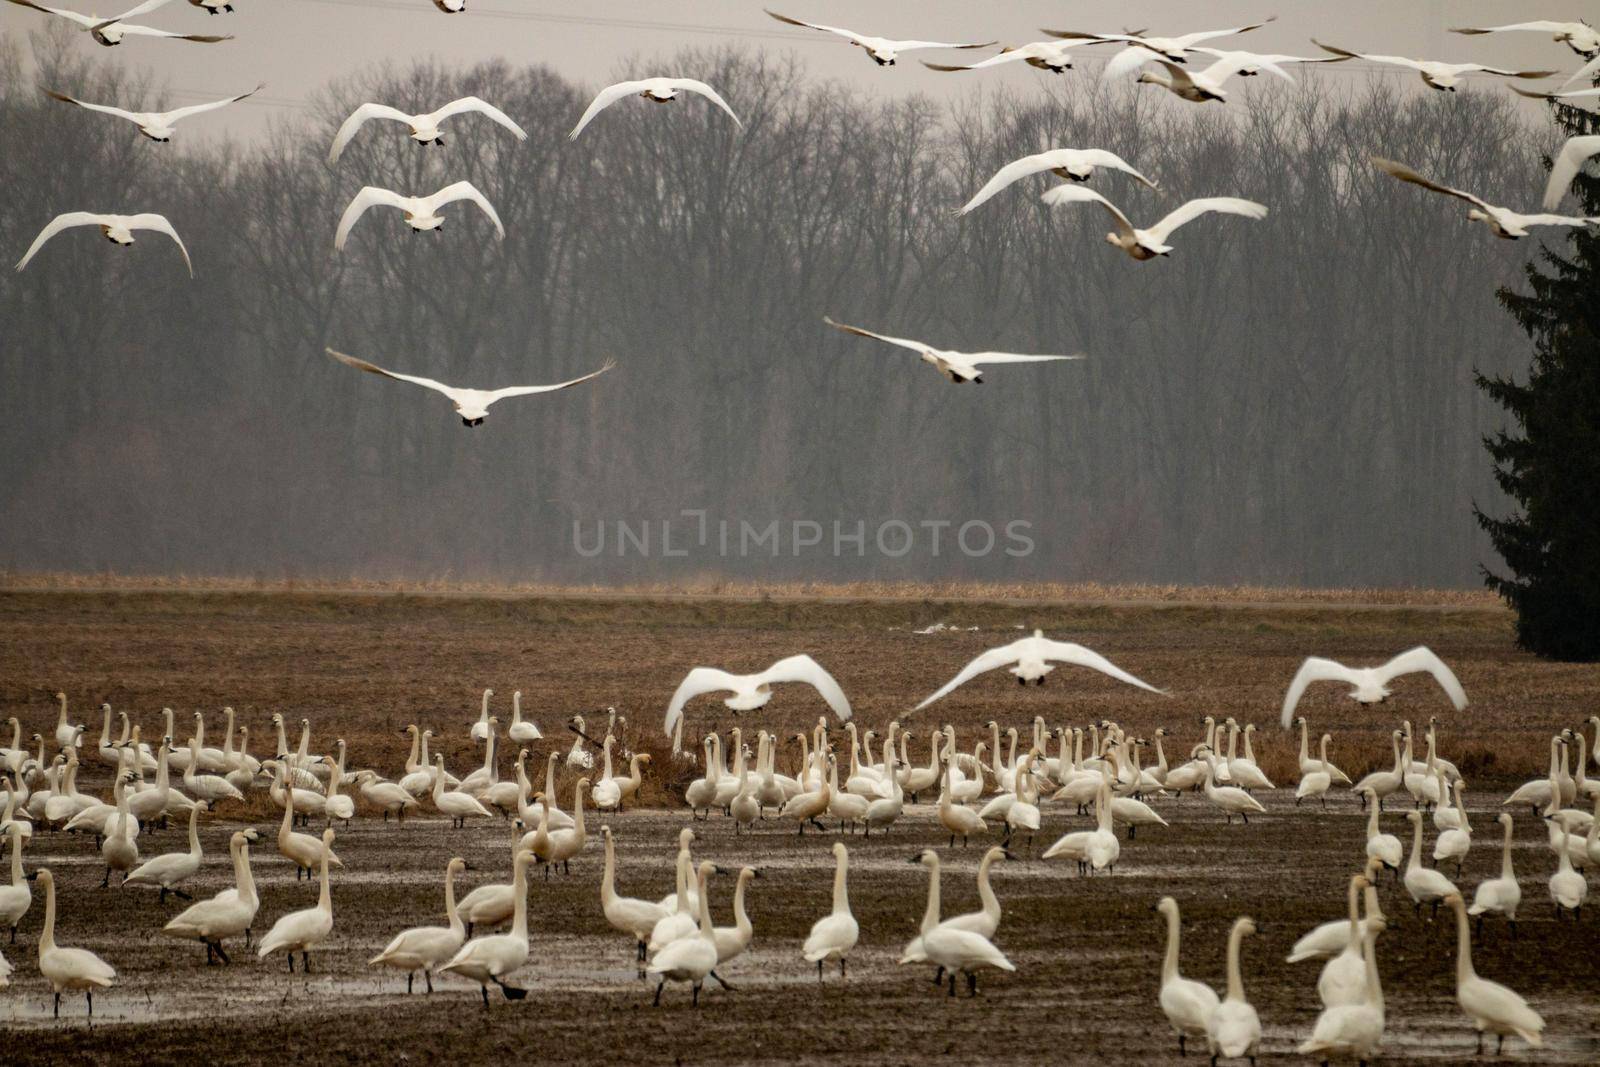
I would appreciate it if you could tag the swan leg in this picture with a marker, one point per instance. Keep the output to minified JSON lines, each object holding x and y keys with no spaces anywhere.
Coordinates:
{"x":58,"y":1006}
{"x":819,"y":972}
{"x":841,"y":967}
{"x":427,"y":976}
{"x":659,"y":986}
{"x":695,"y":1002}
{"x":1499,"y":1043}
{"x":247,"y":937}
{"x":1182,"y":1051}
{"x":162,"y":899}
{"x":952,"y":983}
{"x":482,"y":989}
{"x":938,"y":975}
{"x":290,"y":958}
{"x":722,"y":982}
{"x":972,"y":984}
{"x":411,"y":976}
{"x":305,"y":963}
{"x":105,"y":883}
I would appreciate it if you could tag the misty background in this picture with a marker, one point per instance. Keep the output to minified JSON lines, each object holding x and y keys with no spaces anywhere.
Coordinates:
{"x":1282,"y":402}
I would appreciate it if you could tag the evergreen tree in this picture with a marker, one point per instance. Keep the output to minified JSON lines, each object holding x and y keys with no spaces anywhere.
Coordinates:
{"x":1548,"y":462}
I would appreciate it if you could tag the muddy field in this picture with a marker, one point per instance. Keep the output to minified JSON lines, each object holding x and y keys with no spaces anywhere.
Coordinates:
{"x":1087,"y":950}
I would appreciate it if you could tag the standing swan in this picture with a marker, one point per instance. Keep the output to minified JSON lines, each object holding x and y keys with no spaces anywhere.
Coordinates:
{"x":1490,"y":1005}
{"x":68,"y":970}
{"x":424,"y":948}
{"x":490,"y":959}
{"x":1353,"y":1030}
{"x":168,"y":870}
{"x":1500,"y":894}
{"x":835,"y":934}
{"x":1188,"y":1004}
{"x":1234,"y":1029}
{"x":1344,"y":976}
{"x":1567,"y":887}
{"x":301,"y":931}
{"x":629,"y":915}
{"x":227,"y":914}
{"x":16,"y":898}
{"x":690,"y":959}
{"x":1382,"y":847}
{"x":1425,"y":885}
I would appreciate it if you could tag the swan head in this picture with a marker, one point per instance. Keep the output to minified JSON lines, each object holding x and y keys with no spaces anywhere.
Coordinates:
{"x":455,"y":866}
{"x":1415,"y":816}
{"x":327,"y":838}
{"x":839,"y":852}
{"x":1167,"y":907}
{"x":1504,"y":819}
{"x":927,"y":857}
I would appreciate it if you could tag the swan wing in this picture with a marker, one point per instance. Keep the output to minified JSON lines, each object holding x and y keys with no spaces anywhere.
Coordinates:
{"x":1420,"y":659}
{"x":606,"y":97}
{"x":469,"y":104}
{"x":1502,"y":72}
{"x":1187,"y":213}
{"x":1077,"y":655}
{"x":909,"y":46}
{"x":56,"y":225}
{"x":1538,"y":25}
{"x":140,"y":9}
{"x":1014,"y":172}
{"x":698,"y":682}
{"x":1099,"y":157}
{"x":980,"y":358}
{"x":359,"y":118}
{"x":466,"y":191}
{"x":369,"y":196}
{"x":915,"y":346}
{"x":849,"y":35}
{"x":1127,"y":61}
{"x":150,"y":31}
{"x":803,"y":668}
{"x":1009,"y":55}
{"x":1077,"y":194}
{"x":529,"y":390}
{"x":694,"y":86}
{"x":1314,"y":669}
{"x":1558,"y":220}
{"x":1573,"y":155}
{"x":199,"y":109}
{"x":373,"y":368}
{"x":160,"y":224}
{"x":105,"y":109}
{"x":82,"y":20}
{"x":988,"y":661}
{"x":1588,"y":70}
{"x":1397,"y":61}
{"x":1406,"y":174}
{"x":1190,"y":39}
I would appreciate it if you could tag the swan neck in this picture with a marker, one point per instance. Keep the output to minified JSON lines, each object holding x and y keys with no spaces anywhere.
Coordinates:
{"x":1415,"y":862}
{"x":841,"y":893}
{"x":1235,"y":980}
{"x":450,"y":914}
{"x":1464,"y":971}
{"x":47,"y":936}
{"x":1505,"y":857}
{"x":324,"y":897}
{"x":991,"y":903}
{"x":1169,"y":962}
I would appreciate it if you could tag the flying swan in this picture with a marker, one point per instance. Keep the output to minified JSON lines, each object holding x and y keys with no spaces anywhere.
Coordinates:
{"x":957,"y":366}
{"x":1152,"y":242}
{"x":117,"y":229}
{"x":1369,"y":685}
{"x":156,"y":125}
{"x":1041,"y":55}
{"x":1503,"y":221}
{"x":421,"y":212}
{"x":1435,"y":75}
{"x":1033,"y":658}
{"x":751,"y":691}
{"x":1176,"y":48}
{"x":424,"y":127}
{"x":471,"y":404}
{"x":1581,"y":37}
{"x":883,"y":50}
{"x":111,"y":31}
{"x":1076,"y":164}
{"x":659,"y":90}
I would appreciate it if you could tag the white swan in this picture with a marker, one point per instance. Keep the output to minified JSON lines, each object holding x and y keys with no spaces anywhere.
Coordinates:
{"x":657,"y":90}
{"x":1315,"y":783}
{"x":1052,"y":56}
{"x":1187,"y":1004}
{"x":1202,"y":86}
{"x":954,"y":949}
{"x":1505,"y":223}
{"x":111,"y":30}
{"x":424,"y":126}
{"x":471,"y":404}
{"x":1425,"y":886}
{"x":1491,"y":1006}
{"x":493,"y":957}
{"x":118,"y":849}
{"x":1499,"y":895}
{"x":1229,"y":798}
{"x":301,"y":931}
{"x":1144,"y":244}
{"x":835,"y":934}
{"x":957,"y":366}
{"x":1175,"y":48}
{"x":1370,"y":685}
{"x":1565,"y":165}
{"x":883,"y":50}
{"x":156,"y":125}
{"x":682,"y":907}
{"x":480,"y":729}
{"x":16,"y":898}
{"x":1234,"y":1029}
{"x":68,"y":970}
{"x":693,"y":957}
{"x":303,"y":850}
{"x":1453,"y":843}
{"x":1435,"y":74}
{"x":118,"y":229}
{"x":1581,"y":37}
{"x":492,"y":904}
{"x":425,"y":948}
{"x":521,"y":731}
{"x":459,"y":806}
{"x":1030,"y":659}
{"x":751,"y":691}
{"x":629,"y":915}
{"x":733,"y":941}
{"x":1076,"y":164}
{"x":959,"y":820}
{"x":209,"y":788}
{"x":168,"y":871}
{"x":1344,"y":977}
{"x":421,"y":212}
{"x":1568,"y":888}
{"x":1352,"y":1030}
{"x":229,"y":913}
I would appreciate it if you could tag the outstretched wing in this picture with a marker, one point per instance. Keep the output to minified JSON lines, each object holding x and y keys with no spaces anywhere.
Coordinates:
{"x":607,"y":96}
{"x":803,"y":668}
{"x":466,"y":191}
{"x":1099,"y":157}
{"x":988,"y":661}
{"x":1587,"y":71}
{"x":1397,"y":61}
{"x":1406,"y":174}
{"x":150,"y":31}
{"x":1077,"y":194}
{"x":850,"y":35}
{"x":1009,"y":55}
{"x":369,"y":196}
{"x":141,"y":9}
{"x":529,"y":390}
{"x":358,"y":118}
{"x":980,"y":358}
{"x":104,"y":109}
{"x":697,"y":682}
{"x":912,"y":46}
{"x":1223,"y":205}
{"x":1576,"y":94}
{"x":1190,"y":39}
{"x":160,"y":224}
{"x":56,"y":225}
{"x":1559,"y":220}
{"x":1420,"y":659}
{"x":81,"y":20}
{"x":472,"y":103}
{"x":199,"y":109}
{"x":709,"y":93}
{"x":1540,"y":26}
{"x":1314,"y":669}
{"x":1128,"y":60}
{"x":1011,"y":173}
{"x":1077,"y":655}
{"x":1527,"y":74}
{"x":373,"y":368}
{"x":915,"y":346}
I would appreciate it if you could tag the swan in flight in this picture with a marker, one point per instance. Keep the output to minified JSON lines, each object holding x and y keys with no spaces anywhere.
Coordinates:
{"x":751,"y":691}
{"x":882,"y":50}
{"x":1076,"y":164}
{"x":111,"y":31}
{"x":1030,"y":659}
{"x":1175,"y":49}
{"x":957,"y":366}
{"x":1565,"y":166}
{"x":421,"y":212}
{"x":1435,"y":75}
{"x":1198,"y":86}
{"x":1505,"y":223}
{"x":1369,"y":685}
{"x":1041,"y":55}
{"x":1152,"y":242}
{"x":156,"y":125}
{"x":1251,"y":64}
{"x":424,"y":127}
{"x":471,"y":404}
{"x":1567,"y":97}
{"x":659,"y":90}
{"x":118,"y":229}
{"x":1581,"y":37}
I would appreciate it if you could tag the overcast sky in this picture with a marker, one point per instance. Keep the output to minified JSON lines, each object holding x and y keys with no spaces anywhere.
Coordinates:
{"x":297,"y":46}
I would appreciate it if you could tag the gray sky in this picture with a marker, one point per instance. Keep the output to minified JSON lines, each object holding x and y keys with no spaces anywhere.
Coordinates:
{"x":297,"y":46}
